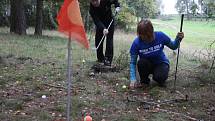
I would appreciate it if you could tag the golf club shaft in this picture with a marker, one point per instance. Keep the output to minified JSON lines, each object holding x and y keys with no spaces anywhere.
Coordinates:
{"x":182,"y":20}
{"x":104,"y":35}
{"x":176,"y":67}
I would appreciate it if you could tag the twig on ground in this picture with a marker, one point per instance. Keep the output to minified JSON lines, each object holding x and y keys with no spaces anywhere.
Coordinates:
{"x":178,"y":92}
{"x":158,"y":103}
{"x":142,"y":102}
{"x":55,"y":86}
{"x":182,"y":95}
{"x":180,"y":114}
{"x":165,"y":102}
{"x":172,"y":101}
{"x":61,"y":87}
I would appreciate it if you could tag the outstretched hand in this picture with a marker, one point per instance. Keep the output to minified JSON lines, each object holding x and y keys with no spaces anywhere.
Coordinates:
{"x":134,"y":84}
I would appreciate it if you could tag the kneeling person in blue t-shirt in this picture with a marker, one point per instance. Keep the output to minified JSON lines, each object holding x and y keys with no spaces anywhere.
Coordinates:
{"x":149,"y":45}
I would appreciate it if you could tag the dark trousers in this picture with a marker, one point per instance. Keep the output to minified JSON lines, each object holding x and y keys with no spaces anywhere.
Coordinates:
{"x":159,"y":72}
{"x":109,"y":44}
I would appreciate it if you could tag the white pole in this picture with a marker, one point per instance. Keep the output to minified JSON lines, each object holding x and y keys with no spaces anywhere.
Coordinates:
{"x":69,"y":81}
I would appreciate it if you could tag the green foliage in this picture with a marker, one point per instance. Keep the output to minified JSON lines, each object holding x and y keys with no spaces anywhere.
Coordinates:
{"x":206,"y":7}
{"x":30,"y":12}
{"x":194,"y":8}
{"x":4,"y":7}
{"x":123,"y":59}
{"x":143,"y":8}
{"x":210,"y":7}
{"x":133,"y":9}
{"x":182,"y":6}
{"x":84,"y":6}
{"x":128,"y":118}
{"x":13,"y":104}
{"x":50,"y":10}
{"x":123,"y":21}
{"x":43,"y":115}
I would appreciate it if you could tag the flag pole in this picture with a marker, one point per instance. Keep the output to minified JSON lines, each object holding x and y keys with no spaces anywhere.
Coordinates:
{"x":69,"y":81}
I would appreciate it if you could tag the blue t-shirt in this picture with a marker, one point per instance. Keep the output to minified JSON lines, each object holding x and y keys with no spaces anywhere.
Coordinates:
{"x":152,"y":51}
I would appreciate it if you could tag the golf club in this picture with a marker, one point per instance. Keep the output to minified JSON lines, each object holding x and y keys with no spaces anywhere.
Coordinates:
{"x":176,"y":68}
{"x":104,"y":36}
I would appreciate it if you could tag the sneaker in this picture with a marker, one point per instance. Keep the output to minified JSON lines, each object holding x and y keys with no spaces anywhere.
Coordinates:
{"x":100,"y":62}
{"x":145,"y":86}
{"x":163,"y":85}
{"x":145,"y":82}
{"x":107,"y":63}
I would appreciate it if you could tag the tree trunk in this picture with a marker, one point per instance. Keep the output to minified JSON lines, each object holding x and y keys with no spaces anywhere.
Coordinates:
{"x":39,"y":18}
{"x":17,"y":18}
{"x":188,"y":13}
{"x":51,"y":18}
{"x":12,"y":15}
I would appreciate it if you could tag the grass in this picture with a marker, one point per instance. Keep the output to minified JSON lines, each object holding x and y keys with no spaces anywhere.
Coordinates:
{"x":32,"y":66}
{"x":198,"y":34}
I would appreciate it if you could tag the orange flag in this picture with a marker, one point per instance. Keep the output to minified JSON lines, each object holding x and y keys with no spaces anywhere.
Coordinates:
{"x":70,"y":21}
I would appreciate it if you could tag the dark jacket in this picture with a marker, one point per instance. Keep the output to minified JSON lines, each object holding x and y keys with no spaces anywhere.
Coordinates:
{"x":102,"y":15}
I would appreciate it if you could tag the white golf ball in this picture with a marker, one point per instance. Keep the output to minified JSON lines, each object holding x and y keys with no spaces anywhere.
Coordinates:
{"x":43,"y":96}
{"x":124,"y":86}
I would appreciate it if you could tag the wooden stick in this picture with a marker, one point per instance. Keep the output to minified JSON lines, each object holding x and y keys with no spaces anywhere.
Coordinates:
{"x":175,"y":113}
{"x":144,"y":102}
{"x":155,"y":103}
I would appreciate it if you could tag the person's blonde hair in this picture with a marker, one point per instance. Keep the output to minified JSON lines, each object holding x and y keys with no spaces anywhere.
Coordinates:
{"x":145,"y":30}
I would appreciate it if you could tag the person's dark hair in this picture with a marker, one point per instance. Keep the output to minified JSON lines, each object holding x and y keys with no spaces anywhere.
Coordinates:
{"x":145,"y":30}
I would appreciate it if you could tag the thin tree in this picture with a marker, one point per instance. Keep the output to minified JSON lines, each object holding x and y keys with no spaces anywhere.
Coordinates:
{"x":39,"y":18}
{"x":200,"y":3}
{"x":17,"y":18}
{"x":183,"y":6}
{"x":187,"y":3}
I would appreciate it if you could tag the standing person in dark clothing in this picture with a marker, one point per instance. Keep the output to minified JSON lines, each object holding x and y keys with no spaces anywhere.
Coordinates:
{"x":100,"y":10}
{"x":149,"y":45}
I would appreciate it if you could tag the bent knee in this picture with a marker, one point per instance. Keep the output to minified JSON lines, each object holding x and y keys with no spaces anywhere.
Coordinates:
{"x":160,"y":78}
